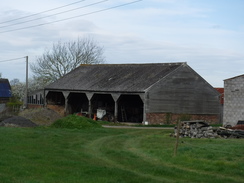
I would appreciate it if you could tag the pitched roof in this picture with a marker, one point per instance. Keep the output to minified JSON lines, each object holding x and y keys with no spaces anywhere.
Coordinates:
{"x":5,"y":89}
{"x":234,"y":77}
{"x":114,"y":77}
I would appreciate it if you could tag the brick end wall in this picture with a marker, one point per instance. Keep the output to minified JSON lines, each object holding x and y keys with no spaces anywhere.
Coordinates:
{"x":169,"y":118}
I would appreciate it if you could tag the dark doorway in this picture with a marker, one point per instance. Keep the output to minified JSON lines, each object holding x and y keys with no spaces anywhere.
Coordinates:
{"x":104,"y":102}
{"x":130,"y":109}
{"x":55,"y":98}
{"x":78,"y":103}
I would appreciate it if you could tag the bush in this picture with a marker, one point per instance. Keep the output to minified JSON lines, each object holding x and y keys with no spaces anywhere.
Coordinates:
{"x":14,"y":104}
{"x":75,"y":122}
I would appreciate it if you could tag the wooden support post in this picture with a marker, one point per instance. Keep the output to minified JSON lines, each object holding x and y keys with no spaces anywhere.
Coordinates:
{"x":115,"y":97}
{"x":66,"y":95}
{"x":143,"y":98}
{"x":89,"y":97}
{"x":89,"y":109}
{"x":115,"y":111}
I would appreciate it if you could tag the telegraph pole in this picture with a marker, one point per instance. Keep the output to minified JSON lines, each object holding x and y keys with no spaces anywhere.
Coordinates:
{"x":26,"y":84}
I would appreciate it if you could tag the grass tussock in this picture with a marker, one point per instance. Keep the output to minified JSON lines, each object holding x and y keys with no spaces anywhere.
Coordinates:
{"x":76,"y":122}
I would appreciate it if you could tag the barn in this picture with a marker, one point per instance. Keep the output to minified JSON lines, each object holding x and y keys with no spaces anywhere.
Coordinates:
{"x":144,"y":93}
{"x":234,"y":100}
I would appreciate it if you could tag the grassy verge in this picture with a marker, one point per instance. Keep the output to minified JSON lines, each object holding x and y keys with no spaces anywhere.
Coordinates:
{"x":47,"y":155}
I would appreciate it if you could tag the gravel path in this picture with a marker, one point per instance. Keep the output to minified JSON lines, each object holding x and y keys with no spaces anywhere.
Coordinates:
{"x":132,"y":127}
{"x":17,"y":121}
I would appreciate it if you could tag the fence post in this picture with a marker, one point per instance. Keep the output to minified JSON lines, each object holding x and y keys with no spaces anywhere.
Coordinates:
{"x":177,"y":138}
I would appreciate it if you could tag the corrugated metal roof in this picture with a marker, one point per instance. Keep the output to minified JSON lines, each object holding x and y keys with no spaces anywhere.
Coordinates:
{"x":114,"y":77}
{"x":5,"y":89}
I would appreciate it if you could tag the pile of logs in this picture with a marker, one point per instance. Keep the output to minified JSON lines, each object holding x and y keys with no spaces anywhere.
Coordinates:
{"x":230,"y":133}
{"x":196,"y":129}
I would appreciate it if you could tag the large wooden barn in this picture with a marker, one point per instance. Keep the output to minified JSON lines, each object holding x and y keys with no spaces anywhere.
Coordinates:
{"x":152,"y":93}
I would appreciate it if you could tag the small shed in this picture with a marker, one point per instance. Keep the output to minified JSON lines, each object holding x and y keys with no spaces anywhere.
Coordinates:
{"x":152,"y":93}
{"x":5,"y":90}
{"x":233,"y":100}
{"x":5,"y":93}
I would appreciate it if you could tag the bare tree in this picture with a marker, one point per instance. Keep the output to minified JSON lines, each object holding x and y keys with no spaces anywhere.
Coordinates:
{"x":14,"y":82}
{"x":64,"y":57}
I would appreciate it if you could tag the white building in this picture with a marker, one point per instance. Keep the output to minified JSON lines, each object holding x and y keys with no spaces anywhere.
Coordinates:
{"x":233,"y":100}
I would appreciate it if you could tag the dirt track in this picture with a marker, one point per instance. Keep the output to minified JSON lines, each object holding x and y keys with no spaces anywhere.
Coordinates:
{"x":133,"y":127}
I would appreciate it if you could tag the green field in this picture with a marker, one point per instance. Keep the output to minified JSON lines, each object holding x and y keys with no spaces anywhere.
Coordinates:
{"x":50,"y":155}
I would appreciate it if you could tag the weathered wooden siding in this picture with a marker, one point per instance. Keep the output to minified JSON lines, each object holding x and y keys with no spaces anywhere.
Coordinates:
{"x":183,"y":92}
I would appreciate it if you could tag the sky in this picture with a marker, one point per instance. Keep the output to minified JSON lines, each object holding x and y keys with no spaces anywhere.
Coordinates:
{"x":207,"y":34}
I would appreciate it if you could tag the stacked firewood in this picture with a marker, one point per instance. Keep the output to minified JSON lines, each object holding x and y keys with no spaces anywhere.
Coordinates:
{"x":196,"y":129}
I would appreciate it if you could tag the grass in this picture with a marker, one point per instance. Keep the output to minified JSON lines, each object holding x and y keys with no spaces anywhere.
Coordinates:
{"x":49,"y":155}
{"x":76,"y":122}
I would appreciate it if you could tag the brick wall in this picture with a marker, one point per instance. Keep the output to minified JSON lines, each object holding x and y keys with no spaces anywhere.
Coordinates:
{"x":34,"y":106}
{"x":169,"y":118}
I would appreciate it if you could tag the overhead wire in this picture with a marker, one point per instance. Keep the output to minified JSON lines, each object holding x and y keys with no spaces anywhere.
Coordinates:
{"x":99,"y":2}
{"x":13,"y":59}
{"x":12,"y":20}
{"x":65,"y":19}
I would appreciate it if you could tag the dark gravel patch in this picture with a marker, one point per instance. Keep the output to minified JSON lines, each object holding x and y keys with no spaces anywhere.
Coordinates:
{"x":17,"y":121}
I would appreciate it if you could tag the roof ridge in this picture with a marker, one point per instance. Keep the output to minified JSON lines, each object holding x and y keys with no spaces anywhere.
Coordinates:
{"x":242,"y":75}
{"x":168,"y":63}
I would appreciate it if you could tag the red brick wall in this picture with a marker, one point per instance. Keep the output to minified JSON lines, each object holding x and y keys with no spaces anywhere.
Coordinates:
{"x":169,"y":118}
{"x":34,"y":106}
